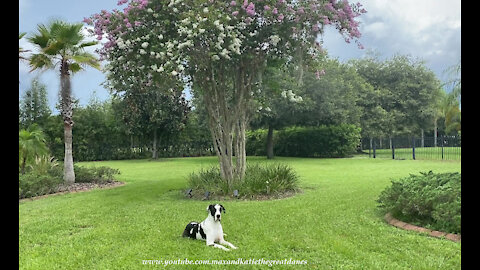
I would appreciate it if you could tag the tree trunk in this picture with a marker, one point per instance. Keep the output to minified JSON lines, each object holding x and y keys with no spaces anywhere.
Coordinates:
{"x":67,"y":114}
{"x":228,"y":115}
{"x":24,"y":161}
{"x":423,"y":137}
{"x":154,"y":149}
{"x":270,"y":142}
{"x":68,"y":173}
{"x":240,"y":151}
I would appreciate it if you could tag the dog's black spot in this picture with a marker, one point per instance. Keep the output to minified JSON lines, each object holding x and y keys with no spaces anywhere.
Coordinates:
{"x":212,"y":210}
{"x":222,"y":208}
{"x":193,"y":227}
{"x":202,"y":233}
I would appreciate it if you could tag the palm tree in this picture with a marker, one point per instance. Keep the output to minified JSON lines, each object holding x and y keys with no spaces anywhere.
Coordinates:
{"x":63,"y":44}
{"x":31,"y":143}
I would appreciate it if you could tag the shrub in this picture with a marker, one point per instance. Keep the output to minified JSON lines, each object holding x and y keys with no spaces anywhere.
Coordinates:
{"x":32,"y":184}
{"x":45,"y":175}
{"x":100,"y":174}
{"x":430,"y":199}
{"x":273,"y":179}
{"x":323,"y":141}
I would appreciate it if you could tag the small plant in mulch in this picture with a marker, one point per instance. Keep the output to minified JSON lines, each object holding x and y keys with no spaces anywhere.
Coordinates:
{"x":431,"y":200}
{"x":261,"y":182}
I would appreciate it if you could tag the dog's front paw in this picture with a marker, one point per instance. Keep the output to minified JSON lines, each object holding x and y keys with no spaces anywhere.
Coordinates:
{"x":234,"y":247}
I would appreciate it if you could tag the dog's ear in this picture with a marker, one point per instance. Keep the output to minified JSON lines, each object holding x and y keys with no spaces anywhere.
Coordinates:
{"x":222,"y":208}
{"x":208,"y":207}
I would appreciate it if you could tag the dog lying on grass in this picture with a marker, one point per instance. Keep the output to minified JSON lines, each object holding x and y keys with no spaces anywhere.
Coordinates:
{"x":210,"y":229}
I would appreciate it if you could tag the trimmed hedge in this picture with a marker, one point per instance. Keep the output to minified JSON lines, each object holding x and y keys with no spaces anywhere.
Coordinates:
{"x":323,"y":141}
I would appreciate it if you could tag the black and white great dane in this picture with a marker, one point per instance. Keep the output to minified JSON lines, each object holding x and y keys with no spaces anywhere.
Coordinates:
{"x":210,"y":229}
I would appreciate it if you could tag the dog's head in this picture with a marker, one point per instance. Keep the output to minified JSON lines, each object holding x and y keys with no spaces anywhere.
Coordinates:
{"x":216,"y":211}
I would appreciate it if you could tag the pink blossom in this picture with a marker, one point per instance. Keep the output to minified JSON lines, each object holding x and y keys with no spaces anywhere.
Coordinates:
{"x":275,"y":11}
{"x":266,"y":7}
{"x":235,"y":13}
{"x":137,"y":23}
{"x":87,"y":20}
{"x":280,"y":17}
{"x":251,"y":9}
{"x":233,"y":3}
{"x":121,"y":2}
{"x":319,"y":73}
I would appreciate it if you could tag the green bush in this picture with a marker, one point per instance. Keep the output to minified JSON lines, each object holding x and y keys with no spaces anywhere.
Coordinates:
{"x":273,"y":179}
{"x":430,"y":200}
{"x":256,"y":144}
{"x":100,"y":174}
{"x":47,"y":174}
{"x":32,"y":184}
{"x":322,"y":141}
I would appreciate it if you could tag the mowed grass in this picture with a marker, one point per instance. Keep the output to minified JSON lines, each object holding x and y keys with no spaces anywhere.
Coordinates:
{"x":333,"y":224}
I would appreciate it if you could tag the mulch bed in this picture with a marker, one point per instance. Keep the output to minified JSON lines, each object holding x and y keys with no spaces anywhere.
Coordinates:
{"x":77,"y":187}
{"x":406,"y":226}
{"x":257,"y":197}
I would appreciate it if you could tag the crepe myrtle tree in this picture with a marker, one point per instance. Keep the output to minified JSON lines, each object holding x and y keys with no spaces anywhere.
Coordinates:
{"x":219,"y":48}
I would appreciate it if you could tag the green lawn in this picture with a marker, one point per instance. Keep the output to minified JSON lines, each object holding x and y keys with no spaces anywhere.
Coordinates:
{"x":334,"y":224}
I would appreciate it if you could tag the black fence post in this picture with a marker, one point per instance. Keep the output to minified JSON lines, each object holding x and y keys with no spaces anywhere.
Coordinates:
{"x":442,"y":145}
{"x":393,"y":147}
{"x":413,"y":147}
{"x":374,"y":148}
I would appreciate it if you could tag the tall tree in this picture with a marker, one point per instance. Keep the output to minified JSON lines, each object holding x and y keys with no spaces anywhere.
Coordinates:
{"x":34,"y":105}
{"x":408,"y":92}
{"x":282,"y":102}
{"x":222,"y":49}
{"x":63,"y":44}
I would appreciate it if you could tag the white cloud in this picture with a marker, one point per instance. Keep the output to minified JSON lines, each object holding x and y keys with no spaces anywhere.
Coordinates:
{"x":427,"y":29}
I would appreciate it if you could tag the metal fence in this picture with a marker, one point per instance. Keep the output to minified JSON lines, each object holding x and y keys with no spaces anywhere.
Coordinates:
{"x":417,"y":148}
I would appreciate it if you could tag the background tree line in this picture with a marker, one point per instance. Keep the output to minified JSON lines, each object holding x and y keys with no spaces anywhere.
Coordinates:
{"x":385,"y":98}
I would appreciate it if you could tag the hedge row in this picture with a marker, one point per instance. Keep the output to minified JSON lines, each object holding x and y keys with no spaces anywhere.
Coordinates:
{"x":323,"y":141}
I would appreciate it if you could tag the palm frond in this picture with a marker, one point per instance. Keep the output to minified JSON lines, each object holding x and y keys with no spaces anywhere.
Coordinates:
{"x":40,"y":61}
{"x":40,"y":38}
{"x":86,"y":59}
{"x":69,"y":34}
{"x":87,"y":44}
{"x":75,"y":67}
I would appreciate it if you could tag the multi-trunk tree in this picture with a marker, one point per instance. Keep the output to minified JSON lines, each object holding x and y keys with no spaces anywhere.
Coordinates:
{"x":219,"y":48}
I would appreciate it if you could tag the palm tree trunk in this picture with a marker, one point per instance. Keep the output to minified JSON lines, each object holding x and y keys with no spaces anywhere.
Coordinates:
{"x":68,"y":173}
{"x":67,"y":114}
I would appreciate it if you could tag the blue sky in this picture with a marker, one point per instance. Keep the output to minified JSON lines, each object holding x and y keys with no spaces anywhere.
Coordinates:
{"x":427,"y":29}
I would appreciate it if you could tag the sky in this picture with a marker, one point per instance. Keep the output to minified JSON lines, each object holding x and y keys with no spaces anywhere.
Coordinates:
{"x":429,"y":30}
